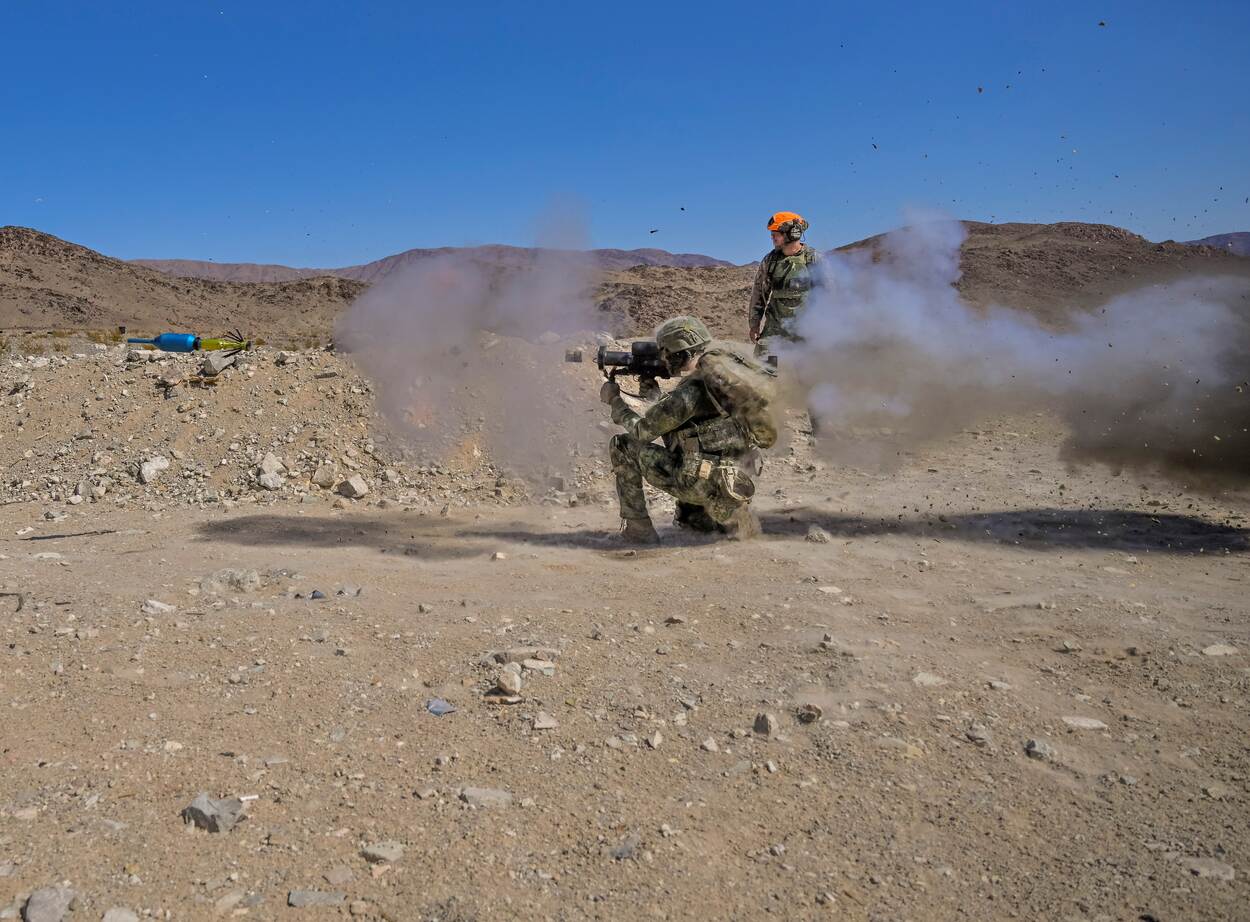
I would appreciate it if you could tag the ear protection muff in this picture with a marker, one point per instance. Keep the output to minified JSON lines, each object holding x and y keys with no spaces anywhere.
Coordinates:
{"x":795,"y":230}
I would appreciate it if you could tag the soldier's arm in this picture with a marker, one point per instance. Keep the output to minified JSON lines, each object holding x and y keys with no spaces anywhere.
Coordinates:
{"x":662,"y":417}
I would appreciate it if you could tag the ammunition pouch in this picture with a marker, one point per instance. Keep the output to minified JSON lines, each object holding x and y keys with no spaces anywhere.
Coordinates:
{"x":723,"y":435}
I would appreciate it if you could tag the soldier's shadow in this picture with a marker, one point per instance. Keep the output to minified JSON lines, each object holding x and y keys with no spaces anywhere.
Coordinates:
{"x":1034,"y":529}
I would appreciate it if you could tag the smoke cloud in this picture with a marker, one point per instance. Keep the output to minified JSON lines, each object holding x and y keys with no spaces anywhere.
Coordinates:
{"x":465,"y":356}
{"x":892,"y":357}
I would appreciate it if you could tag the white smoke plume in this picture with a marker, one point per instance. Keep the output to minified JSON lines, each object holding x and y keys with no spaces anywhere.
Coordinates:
{"x":893,"y":357}
{"x":466,"y":358}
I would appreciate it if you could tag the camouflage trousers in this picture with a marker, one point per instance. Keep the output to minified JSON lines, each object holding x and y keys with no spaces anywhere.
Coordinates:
{"x":634,"y":461}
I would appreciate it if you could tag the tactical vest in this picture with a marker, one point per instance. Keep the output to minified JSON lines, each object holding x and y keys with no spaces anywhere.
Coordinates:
{"x":788,"y":280}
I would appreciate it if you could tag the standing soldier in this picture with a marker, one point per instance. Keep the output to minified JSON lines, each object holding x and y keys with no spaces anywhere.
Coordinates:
{"x":784,"y":278}
{"x":717,"y":414}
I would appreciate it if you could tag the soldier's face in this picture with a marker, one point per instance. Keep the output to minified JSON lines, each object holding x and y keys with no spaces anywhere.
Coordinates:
{"x":778,"y":238}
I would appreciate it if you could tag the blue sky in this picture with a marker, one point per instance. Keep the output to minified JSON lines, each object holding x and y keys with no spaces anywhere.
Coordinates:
{"x":326,"y":134}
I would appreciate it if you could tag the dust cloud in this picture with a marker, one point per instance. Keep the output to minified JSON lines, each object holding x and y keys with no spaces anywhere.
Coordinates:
{"x":892,"y":357}
{"x":466,"y":356}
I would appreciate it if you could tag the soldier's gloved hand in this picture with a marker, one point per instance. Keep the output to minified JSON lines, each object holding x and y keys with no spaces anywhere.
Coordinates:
{"x":610,"y":391}
{"x":649,"y":389}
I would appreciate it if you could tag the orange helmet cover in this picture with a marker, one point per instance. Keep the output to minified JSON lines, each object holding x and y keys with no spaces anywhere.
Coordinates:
{"x":782,"y":218}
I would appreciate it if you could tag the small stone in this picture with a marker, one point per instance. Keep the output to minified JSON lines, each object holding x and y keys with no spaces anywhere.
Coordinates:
{"x":509,"y":682}
{"x":383,"y":852}
{"x":49,"y":904}
{"x":271,"y":465}
{"x":119,"y":914}
{"x":213,"y":815}
{"x":1219,"y":649}
{"x":486,"y":797}
{"x":979,"y":734}
{"x":1208,"y":867}
{"x":499,"y":555}
{"x":155,"y":607}
{"x":301,"y":898}
{"x":339,"y":876}
{"x":628,"y":849}
{"x":359,"y":907}
{"x":544,"y":721}
{"x":1039,"y":749}
{"x":766,"y":724}
{"x":709,"y":745}
{"x":151,"y":469}
{"x":996,"y":685}
{"x":270,"y":481}
{"x":354,"y":487}
{"x":817,"y":535}
{"x":927,"y":680}
{"x":655,"y":740}
{"x":1217,"y":791}
{"x":215,"y":363}
{"x":809,"y":713}
{"x":1084,"y":723}
{"x":324,"y":476}
{"x":544,"y":667}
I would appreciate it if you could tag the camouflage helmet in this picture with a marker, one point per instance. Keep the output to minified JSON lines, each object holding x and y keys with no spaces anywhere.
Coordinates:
{"x":681,"y":334}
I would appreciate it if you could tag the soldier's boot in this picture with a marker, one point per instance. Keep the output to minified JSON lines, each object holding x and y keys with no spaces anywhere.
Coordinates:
{"x":695,"y":518}
{"x":638,"y":531}
{"x":743,"y":524}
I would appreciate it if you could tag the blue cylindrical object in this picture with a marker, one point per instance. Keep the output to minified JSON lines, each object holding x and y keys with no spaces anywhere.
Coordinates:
{"x":171,"y":342}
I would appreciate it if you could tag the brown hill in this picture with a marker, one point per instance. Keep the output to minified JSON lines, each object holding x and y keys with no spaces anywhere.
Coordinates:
{"x":48,"y":283}
{"x":1046,"y":269}
{"x":494,"y":256}
{"x":1236,"y":243}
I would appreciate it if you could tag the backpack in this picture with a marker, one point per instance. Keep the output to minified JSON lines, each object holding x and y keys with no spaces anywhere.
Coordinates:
{"x":742,"y":389}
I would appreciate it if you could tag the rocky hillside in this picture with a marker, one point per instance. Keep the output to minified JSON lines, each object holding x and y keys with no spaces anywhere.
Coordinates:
{"x":1046,"y":269}
{"x":1238,"y":243}
{"x":495,"y":256}
{"x":47,"y":283}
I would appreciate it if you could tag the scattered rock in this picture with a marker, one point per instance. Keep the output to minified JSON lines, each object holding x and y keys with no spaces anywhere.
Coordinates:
{"x":766,"y":724}
{"x":301,"y":898}
{"x":354,"y":487}
{"x":628,"y":849}
{"x":383,"y":852}
{"x":155,"y":607}
{"x":1210,"y":867}
{"x":49,"y":904}
{"x":486,"y":797}
{"x":439,"y":708}
{"x":231,"y":579}
{"x":927,"y":679}
{"x":216,"y":362}
{"x":270,"y":481}
{"x":817,"y":535}
{"x":214,"y":815}
{"x":709,"y":745}
{"x":325,"y":476}
{"x":544,"y":721}
{"x":1039,"y":749}
{"x":120,"y":914}
{"x":1219,"y":649}
{"x":808,"y":713}
{"x":151,"y":469}
{"x":979,"y":734}
{"x":509,"y":681}
{"x":1085,"y":723}
{"x":271,"y":465}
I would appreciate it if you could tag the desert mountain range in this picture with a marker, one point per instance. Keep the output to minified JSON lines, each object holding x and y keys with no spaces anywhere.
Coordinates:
{"x":1047,"y":269}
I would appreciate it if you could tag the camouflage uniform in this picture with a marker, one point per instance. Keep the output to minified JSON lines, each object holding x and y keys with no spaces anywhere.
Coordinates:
{"x":780,"y":290}
{"x":712,"y":418}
